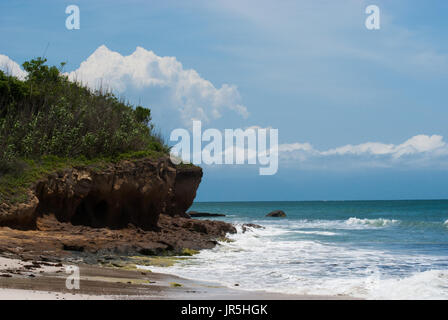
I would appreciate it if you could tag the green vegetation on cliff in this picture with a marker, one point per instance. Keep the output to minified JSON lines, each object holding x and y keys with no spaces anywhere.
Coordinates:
{"x":48,"y":122}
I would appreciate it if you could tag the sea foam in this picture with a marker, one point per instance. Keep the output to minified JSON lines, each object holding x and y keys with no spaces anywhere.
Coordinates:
{"x":260,"y":259}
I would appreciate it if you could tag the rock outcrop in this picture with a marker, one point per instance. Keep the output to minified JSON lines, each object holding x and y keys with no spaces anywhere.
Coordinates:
{"x":276,"y":214}
{"x":20,"y":215}
{"x":133,"y":192}
{"x":128,"y":208}
{"x":58,"y":240}
{"x":186,"y":183}
{"x":249,"y":226}
{"x":195,"y":214}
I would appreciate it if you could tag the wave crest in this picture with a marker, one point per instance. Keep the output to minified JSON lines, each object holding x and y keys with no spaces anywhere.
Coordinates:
{"x":380,"y":222}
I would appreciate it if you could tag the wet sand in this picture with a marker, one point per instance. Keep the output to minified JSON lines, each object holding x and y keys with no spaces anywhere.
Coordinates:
{"x":37,"y":280}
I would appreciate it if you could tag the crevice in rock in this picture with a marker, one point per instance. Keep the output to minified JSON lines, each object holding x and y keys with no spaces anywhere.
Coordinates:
{"x":92,"y":212}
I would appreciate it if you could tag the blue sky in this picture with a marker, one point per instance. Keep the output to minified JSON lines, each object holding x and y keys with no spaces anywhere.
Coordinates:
{"x":309,"y":68}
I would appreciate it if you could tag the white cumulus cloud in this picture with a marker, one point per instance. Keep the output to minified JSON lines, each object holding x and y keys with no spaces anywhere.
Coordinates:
{"x":11,"y":67}
{"x":192,"y":96}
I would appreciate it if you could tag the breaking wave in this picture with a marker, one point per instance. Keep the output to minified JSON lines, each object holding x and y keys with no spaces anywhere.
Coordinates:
{"x":371,"y":222}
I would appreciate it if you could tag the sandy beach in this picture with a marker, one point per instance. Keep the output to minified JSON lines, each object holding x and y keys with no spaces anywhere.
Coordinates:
{"x":37,"y":280}
{"x":33,"y":264}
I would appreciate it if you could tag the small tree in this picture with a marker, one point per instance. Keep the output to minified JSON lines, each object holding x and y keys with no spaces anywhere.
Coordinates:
{"x":39,"y":72}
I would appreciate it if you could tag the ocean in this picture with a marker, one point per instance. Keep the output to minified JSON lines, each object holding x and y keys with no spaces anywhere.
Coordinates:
{"x":364,"y":249}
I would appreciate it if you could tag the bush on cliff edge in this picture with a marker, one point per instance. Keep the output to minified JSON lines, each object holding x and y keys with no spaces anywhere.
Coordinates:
{"x":47,"y":115}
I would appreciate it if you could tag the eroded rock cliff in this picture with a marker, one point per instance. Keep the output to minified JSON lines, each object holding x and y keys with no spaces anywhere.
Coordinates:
{"x":116,"y":195}
{"x":126,"y":208}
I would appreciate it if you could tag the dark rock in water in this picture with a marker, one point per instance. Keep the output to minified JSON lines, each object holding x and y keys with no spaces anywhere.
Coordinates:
{"x":277,"y":214}
{"x":247,"y":226}
{"x":195,"y":214}
{"x":253,"y":225}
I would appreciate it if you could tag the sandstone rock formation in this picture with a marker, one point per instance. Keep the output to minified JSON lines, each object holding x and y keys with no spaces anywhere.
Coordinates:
{"x":129,"y":208}
{"x":55,"y":240}
{"x":130,"y":192}
{"x":185,"y":185}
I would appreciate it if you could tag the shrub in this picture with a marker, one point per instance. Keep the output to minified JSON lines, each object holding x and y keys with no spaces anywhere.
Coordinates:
{"x":46,"y":114}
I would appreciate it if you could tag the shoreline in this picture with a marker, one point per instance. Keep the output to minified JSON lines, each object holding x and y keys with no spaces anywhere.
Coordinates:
{"x":47,"y":282}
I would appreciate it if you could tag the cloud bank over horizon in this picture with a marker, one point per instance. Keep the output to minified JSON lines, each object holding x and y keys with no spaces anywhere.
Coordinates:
{"x":417,"y":144}
{"x":419,"y":151}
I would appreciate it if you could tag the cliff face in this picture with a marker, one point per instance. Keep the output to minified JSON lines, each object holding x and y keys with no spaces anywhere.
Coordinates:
{"x":185,"y":186}
{"x":130,"y":192}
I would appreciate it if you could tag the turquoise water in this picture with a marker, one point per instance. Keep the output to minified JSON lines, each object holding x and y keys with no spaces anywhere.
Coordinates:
{"x":368,"y":249}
